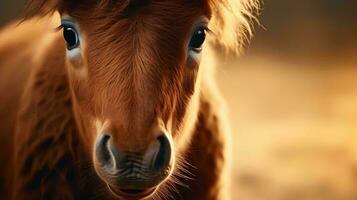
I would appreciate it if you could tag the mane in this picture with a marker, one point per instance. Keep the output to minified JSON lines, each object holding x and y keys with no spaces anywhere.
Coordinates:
{"x":230,"y":19}
{"x":231,"y":22}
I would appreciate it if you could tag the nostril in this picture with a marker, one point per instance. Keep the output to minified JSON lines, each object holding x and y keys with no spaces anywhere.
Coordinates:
{"x":163,"y":156}
{"x":102,"y":151}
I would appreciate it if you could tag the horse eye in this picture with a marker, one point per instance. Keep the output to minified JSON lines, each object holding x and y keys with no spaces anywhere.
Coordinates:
{"x":198,"y":39}
{"x":71,"y":37}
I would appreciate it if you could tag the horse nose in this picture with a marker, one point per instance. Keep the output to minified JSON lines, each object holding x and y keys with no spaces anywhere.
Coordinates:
{"x":132,"y":170}
{"x":102,"y":153}
{"x":158,"y":154}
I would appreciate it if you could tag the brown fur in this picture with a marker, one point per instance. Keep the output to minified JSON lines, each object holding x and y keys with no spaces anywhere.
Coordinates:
{"x":136,"y":77}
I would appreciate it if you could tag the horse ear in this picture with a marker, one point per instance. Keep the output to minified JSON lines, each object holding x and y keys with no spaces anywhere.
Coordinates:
{"x":40,"y":7}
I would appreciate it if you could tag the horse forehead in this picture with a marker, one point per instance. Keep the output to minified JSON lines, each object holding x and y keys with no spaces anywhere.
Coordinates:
{"x":150,"y":39}
{"x":143,"y":37}
{"x":141,"y":54}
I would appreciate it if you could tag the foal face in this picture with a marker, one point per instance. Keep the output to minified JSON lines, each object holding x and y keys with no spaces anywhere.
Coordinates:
{"x":134,"y":74}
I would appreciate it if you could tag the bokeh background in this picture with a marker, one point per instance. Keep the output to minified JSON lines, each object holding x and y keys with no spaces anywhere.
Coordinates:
{"x":292,"y":98}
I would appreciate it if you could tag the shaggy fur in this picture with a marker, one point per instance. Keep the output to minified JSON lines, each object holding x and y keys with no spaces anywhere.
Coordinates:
{"x":47,"y":136}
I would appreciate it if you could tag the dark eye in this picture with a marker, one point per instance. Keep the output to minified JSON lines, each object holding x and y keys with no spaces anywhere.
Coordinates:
{"x":71,"y":37}
{"x":198,"y":39}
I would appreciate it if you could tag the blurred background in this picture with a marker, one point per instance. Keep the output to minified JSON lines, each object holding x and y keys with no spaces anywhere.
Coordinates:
{"x":292,"y":98}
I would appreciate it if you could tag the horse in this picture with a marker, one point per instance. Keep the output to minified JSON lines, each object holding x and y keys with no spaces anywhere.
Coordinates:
{"x":116,"y":99}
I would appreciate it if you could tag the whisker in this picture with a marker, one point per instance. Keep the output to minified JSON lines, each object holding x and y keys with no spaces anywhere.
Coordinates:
{"x":171,"y":186}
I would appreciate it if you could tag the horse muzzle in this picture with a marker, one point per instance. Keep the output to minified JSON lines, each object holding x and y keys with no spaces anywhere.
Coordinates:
{"x":133,"y":175}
